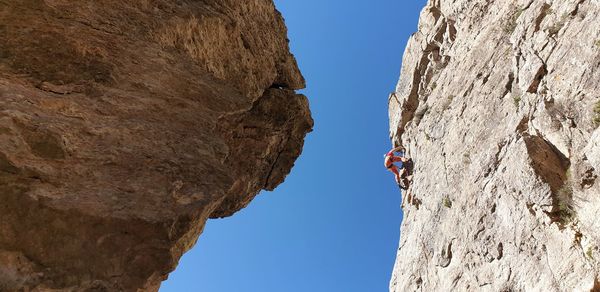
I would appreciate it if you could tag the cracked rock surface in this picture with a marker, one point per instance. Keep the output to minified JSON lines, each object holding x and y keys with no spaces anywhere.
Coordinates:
{"x":498,"y":104}
{"x":124,"y":126}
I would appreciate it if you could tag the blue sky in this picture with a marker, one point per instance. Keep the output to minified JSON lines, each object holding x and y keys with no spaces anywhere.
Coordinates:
{"x":334,"y":224}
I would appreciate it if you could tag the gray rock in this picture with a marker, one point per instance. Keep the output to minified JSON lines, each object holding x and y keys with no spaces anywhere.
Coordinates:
{"x":498,"y":104}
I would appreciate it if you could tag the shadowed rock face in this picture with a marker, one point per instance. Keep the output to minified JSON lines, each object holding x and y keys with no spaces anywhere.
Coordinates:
{"x":498,"y":103}
{"x":124,"y":126}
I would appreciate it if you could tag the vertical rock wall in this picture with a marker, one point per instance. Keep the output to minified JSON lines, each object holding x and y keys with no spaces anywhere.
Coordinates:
{"x":124,"y":125}
{"x":498,"y":104}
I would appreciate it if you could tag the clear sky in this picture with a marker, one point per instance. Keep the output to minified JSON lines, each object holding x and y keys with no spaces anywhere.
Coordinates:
{"x":334,"y":225}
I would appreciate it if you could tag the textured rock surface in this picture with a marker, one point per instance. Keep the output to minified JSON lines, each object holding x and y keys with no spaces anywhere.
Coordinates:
{"x":125,"y":125}
{"x":498,"y":104}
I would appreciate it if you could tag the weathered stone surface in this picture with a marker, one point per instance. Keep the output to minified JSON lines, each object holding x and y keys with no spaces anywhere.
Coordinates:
{"x":498,"y":104}
{"x":125,"y":125}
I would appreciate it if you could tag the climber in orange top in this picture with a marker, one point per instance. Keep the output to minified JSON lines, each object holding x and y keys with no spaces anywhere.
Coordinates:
{"x":402,"y":177}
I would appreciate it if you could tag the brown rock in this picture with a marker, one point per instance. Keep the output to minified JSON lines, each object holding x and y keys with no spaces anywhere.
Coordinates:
{"x":124,"y":126}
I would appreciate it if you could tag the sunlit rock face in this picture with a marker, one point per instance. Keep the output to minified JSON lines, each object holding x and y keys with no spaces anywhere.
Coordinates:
{"x":498,"y":104}
{"x":124,"y":125}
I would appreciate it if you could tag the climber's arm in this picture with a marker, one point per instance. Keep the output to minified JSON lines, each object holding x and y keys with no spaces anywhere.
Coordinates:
{"x":397,"y":149}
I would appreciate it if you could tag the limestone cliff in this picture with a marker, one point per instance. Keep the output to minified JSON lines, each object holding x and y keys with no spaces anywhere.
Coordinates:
{"x":124,"y":125}
{"x":498,"y":104}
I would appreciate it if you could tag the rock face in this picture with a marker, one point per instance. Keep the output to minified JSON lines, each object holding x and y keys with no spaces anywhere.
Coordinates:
{"x":499,"y":106}
{"x":126,"y":124}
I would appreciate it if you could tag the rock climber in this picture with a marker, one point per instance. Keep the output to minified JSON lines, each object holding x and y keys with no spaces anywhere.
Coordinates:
{"x":403,"y":174}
